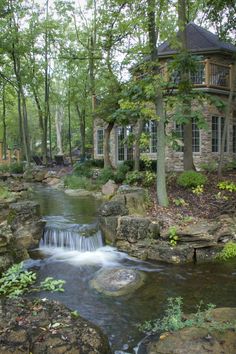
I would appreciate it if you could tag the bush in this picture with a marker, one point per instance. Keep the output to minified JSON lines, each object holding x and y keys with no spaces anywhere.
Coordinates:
{"x":83,"y":169}
{"x":106,"y":174}
{"x":134,"y":177}
{"x":121,"y":171}
{"x":77,"y":182}
{"x":16,"y":167}
{"x":189,"y":179}
{"x":228,"y":252}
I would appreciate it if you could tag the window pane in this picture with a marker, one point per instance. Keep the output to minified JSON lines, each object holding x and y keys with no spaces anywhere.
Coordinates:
{"x":221,"y":134}
{"x":179,"y":130}
{"x":195,"y":137}
{"x":215,"y":134}
{"x":153,"y":135}
{"x":121,"y":149}
{"x":100,"y":136}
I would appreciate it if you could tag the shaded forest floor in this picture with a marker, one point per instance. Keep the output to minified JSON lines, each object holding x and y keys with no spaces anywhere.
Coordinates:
{"x":184,"y":205}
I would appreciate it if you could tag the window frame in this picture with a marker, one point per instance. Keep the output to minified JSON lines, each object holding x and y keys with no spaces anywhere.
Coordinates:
{"x":218,"y":135}
{"x":99,"y":130}
{"x":181,"y":137}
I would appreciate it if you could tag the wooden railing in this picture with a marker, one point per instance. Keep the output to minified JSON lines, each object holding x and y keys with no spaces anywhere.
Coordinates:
{"x":209,"y":74}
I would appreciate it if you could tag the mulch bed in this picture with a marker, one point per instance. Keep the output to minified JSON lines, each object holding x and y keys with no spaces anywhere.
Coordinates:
{"x":208,"y":205}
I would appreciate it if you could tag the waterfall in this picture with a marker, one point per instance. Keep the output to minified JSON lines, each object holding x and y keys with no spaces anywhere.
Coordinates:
{"x":82,"y":238}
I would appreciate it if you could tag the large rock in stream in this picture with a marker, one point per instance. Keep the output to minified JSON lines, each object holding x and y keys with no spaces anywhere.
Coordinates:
{"x":117,"y":282}
{"x":47,"y":327}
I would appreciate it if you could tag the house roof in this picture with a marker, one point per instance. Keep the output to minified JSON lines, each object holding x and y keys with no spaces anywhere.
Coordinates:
{"x":199,"y":40}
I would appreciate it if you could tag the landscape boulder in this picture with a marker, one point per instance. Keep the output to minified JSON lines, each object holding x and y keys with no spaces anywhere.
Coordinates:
{"x":109,"y":188}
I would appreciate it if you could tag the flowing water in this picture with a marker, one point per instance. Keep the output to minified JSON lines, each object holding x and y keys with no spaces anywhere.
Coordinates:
{"x":72,"y":250}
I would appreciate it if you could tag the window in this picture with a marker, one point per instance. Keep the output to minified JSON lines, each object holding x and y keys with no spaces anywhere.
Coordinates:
{"x":179,"y":130}
{"x":234,"y":139}
{"x":217,"y":133}
{"x":125,"y":151}
{"x":100,"y":138}
{"x":150,"y":128}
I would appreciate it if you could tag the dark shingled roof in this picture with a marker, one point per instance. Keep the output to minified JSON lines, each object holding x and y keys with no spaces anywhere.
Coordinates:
{"x":199,"y":40}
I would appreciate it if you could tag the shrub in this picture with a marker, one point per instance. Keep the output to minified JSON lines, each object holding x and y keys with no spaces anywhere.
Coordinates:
{"x":77,"y":182}
{"x":134,"y":177}
{"x":209,"y":167}
{"x":121,"y":171}
{"x":106,"y":174}
{"x":228,"y":252}
{"x":189,"y":179}
{"x":149,"y":178}
{"x":16,"y":167}
{"x":83,"y":169}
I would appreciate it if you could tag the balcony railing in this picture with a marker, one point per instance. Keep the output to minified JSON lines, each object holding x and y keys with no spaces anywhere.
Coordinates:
{"x":209,"y":74}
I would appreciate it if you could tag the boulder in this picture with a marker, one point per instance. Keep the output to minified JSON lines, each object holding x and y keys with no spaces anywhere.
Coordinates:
{"x":134,"y":198}
{"x":134,"y":228}
{"x":113,"y":208}
{"x":26,"y":223}
{"x":198,"y":340}
{"x":109,"y":188}
{"x":47,"y":327}
{"x":117,"y":282}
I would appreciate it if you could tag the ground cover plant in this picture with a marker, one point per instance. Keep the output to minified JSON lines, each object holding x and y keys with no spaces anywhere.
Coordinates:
{"x":16,"y":281}
{"x":174,"y":319}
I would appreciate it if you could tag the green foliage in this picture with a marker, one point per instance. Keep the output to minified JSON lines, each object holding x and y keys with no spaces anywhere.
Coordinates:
{"x":189,"y":179}
{"x":149,"y":178}
{"x":106,"y":174}
{"x":17,"y":167}
{"x":77,"y":182}
{"x":227,"y":186}
{"x":51,"y":284}
{"x":175,"y":320}
{"x":17,"y":281}
{"x":4,"y":193}
{"x":228,"y":252}
{"x":209,"y":167}
{"x":83,"y":169}
{"x":134,"y":177}
{"x":180,"y":202}
{"x":120,"y":173}
{"x":198,"y":190}
{"x":173,"y":237}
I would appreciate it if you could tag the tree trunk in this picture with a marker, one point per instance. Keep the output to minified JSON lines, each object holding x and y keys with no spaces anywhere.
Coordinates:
{"x":106,"y":145}
{"x":227,"y":121}
{"x":4,"y":138}
{"x":46,"y":92}
{"x":69,"y":124}
{"x":138,"y":134}
{"x":81,"y":115}
{"x":159,"y":108}
{"x":185,"y":84}
{"x":58,"y":124}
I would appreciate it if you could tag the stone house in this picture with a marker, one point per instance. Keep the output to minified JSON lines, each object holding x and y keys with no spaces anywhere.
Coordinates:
{"x":213,"y":76}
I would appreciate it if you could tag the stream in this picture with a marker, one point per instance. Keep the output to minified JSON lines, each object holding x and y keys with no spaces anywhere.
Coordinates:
{"x":77,"y":263}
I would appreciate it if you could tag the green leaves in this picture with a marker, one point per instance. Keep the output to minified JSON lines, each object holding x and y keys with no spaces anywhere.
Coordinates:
{"x":16,"y":281}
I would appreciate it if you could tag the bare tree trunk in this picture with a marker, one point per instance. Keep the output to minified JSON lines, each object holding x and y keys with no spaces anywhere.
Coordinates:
{"x":185,"y":81}
{"x":138,"y":134}
{"x":69,"y":124}
{"x":159,"y":107}
{"x":227,"y":121}
{"x":46,"y":92}
{"x":4,"y":140}
{"x":58,"y":124}
{"x":81,"y":115}
{"x":106,"y":145}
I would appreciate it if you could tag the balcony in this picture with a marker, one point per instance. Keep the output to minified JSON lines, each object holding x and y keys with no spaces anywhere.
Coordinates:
{"x":209,"y":74}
